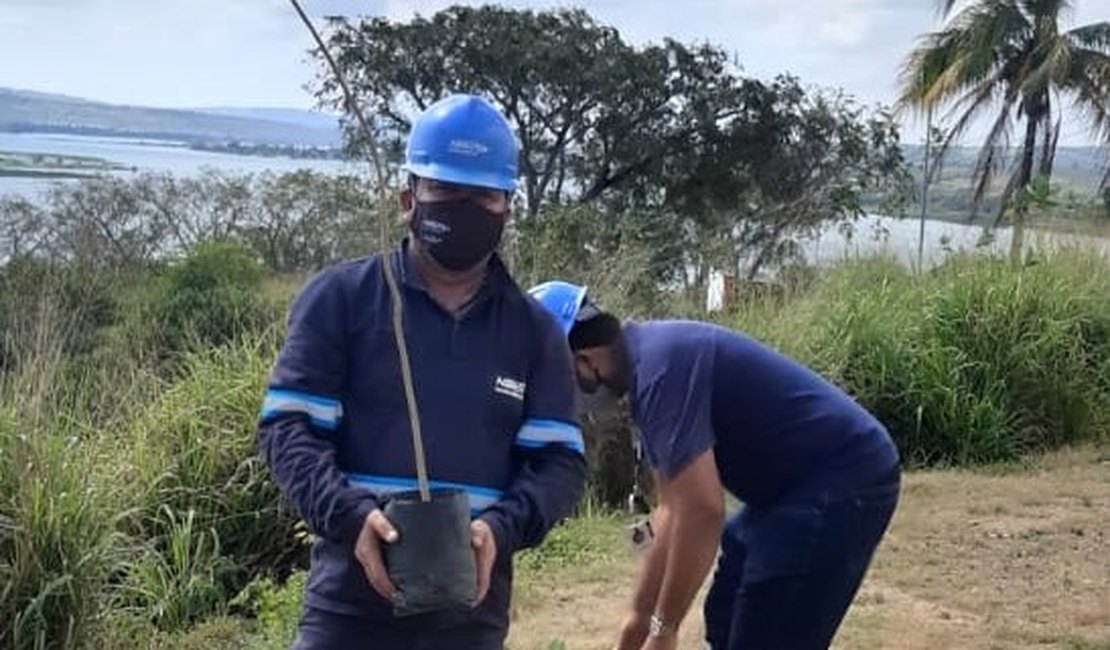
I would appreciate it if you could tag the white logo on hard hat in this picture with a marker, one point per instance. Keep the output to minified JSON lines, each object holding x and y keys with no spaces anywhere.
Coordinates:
{"x":467,"y":147}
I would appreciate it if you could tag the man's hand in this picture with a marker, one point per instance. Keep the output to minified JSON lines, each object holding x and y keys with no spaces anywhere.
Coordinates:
{"x":634,"y":631}
{"x":485,"y":554}
{"x":375,"y":530}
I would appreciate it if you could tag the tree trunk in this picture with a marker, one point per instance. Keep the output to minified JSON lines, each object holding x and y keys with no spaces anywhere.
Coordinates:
{"x":1048,"y":153}
{"x":1025,"y":175}
{"x":924,"y":191}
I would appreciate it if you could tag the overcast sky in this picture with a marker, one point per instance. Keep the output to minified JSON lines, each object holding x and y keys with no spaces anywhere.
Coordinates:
{"x":186,"y":53}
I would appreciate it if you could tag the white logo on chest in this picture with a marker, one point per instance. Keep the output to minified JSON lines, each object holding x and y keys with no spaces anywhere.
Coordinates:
{"x":509,"y":387}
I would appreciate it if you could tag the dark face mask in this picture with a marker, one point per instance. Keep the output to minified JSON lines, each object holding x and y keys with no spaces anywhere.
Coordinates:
{"x":599,"y":406}
{"x":457,"y":233}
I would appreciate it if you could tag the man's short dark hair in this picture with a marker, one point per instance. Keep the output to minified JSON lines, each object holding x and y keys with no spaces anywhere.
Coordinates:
{"x":601,"y":329}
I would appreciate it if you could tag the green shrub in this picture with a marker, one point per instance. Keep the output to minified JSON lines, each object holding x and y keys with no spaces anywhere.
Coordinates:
{"x":159,"y":518}
{"x":276,"y":610}
{"x":976,"y":362}
{"x":74,"y":305}
{"x":624,"y":259}
{"x":211,"y":297}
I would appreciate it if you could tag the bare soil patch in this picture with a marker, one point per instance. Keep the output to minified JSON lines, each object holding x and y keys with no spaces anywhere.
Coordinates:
{"x":983,"y":560}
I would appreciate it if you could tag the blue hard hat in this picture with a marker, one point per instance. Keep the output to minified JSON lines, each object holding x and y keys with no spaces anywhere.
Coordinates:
{"x":562,"y":299}
{"x":464,"y":139}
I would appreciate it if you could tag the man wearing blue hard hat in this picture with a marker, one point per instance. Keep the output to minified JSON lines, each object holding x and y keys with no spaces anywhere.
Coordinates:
{"x":717,"y":411}
{"x":491,"y":374}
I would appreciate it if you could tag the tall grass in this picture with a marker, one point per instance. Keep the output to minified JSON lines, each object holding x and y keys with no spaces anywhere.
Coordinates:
{"x":972,"y":363}
{"x":133,"y":504}
{"x":206,"y":496}
{"x":60,"y":546}
{"x":160,"y":518}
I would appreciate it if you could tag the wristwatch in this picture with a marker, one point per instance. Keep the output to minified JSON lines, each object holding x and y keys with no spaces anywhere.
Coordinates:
{"x":657,"y":627}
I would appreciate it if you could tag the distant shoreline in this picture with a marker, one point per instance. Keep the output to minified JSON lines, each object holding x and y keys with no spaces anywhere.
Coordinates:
{"x":156,"y":139}
{"x":48,"y":174}
{"x":270,"y":151}
{"x":30,"y":164}
{"x":58,"y":166}
{"x":230,"y":148}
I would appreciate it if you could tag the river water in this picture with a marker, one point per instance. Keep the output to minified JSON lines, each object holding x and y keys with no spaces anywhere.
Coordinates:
{"x":147,"y":156}
{"x":870,"y":235}
{"x":898,"y":238}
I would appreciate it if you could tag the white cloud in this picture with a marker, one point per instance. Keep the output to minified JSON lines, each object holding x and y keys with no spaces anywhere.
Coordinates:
{"x":253,"y":52}
{"x":849,"y":25}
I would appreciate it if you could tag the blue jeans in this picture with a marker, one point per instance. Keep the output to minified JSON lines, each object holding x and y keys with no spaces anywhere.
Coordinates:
{"x":788,"y":570}
{"x":323,"y":630}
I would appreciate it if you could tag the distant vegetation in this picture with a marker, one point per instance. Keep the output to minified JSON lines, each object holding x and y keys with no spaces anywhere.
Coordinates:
{"x":1076,"y":179}
{"x":40,"y":165}
{"x":306,"y":153}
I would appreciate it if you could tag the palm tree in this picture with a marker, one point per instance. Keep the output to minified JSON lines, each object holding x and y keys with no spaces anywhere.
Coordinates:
{"x":1010,"y":58}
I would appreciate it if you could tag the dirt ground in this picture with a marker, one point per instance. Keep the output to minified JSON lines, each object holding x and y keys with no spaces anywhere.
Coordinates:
{"x":1004,"y":559}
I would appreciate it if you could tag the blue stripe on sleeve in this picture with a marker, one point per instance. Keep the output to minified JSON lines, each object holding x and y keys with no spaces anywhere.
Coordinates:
{"x":322,"y":411}
{"x":480,"y":497}
{"x":540,"y":433}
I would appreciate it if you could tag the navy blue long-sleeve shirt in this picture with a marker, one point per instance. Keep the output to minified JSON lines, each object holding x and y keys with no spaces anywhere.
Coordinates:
{"x":495,"y":392}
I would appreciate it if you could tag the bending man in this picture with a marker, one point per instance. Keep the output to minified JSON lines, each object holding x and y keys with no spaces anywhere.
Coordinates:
{"x":716,"y":410}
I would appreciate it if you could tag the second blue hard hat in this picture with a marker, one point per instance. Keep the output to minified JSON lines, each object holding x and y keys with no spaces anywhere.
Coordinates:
{"x":562,"y":300}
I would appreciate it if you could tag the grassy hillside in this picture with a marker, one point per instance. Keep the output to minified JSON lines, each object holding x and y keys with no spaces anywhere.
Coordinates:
{"x":22,"y":111}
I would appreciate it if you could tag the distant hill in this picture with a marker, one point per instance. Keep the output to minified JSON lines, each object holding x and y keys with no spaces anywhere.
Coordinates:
{"x":1076,"y":174}
{"x":1080,"y":167}
{"x":306,"y":119}
{"x":29,"y":111}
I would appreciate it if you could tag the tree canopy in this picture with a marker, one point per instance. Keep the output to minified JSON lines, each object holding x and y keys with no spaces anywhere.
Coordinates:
{"x":672,"y":133}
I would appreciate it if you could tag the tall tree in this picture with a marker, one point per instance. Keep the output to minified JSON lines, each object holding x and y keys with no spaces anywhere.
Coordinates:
{"x":669,"y":133}
{"x":1012,"y":58}
{"x":591,"y":111}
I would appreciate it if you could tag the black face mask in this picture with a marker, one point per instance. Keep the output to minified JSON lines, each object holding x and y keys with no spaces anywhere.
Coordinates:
{"x":600,"y":405}
{"x":617,"y":385}
{"x":457,"y":233}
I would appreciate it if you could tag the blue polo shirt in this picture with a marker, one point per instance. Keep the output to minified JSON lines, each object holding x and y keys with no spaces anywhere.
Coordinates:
{"x":772,"y":423}
{"x":494,"y":388}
